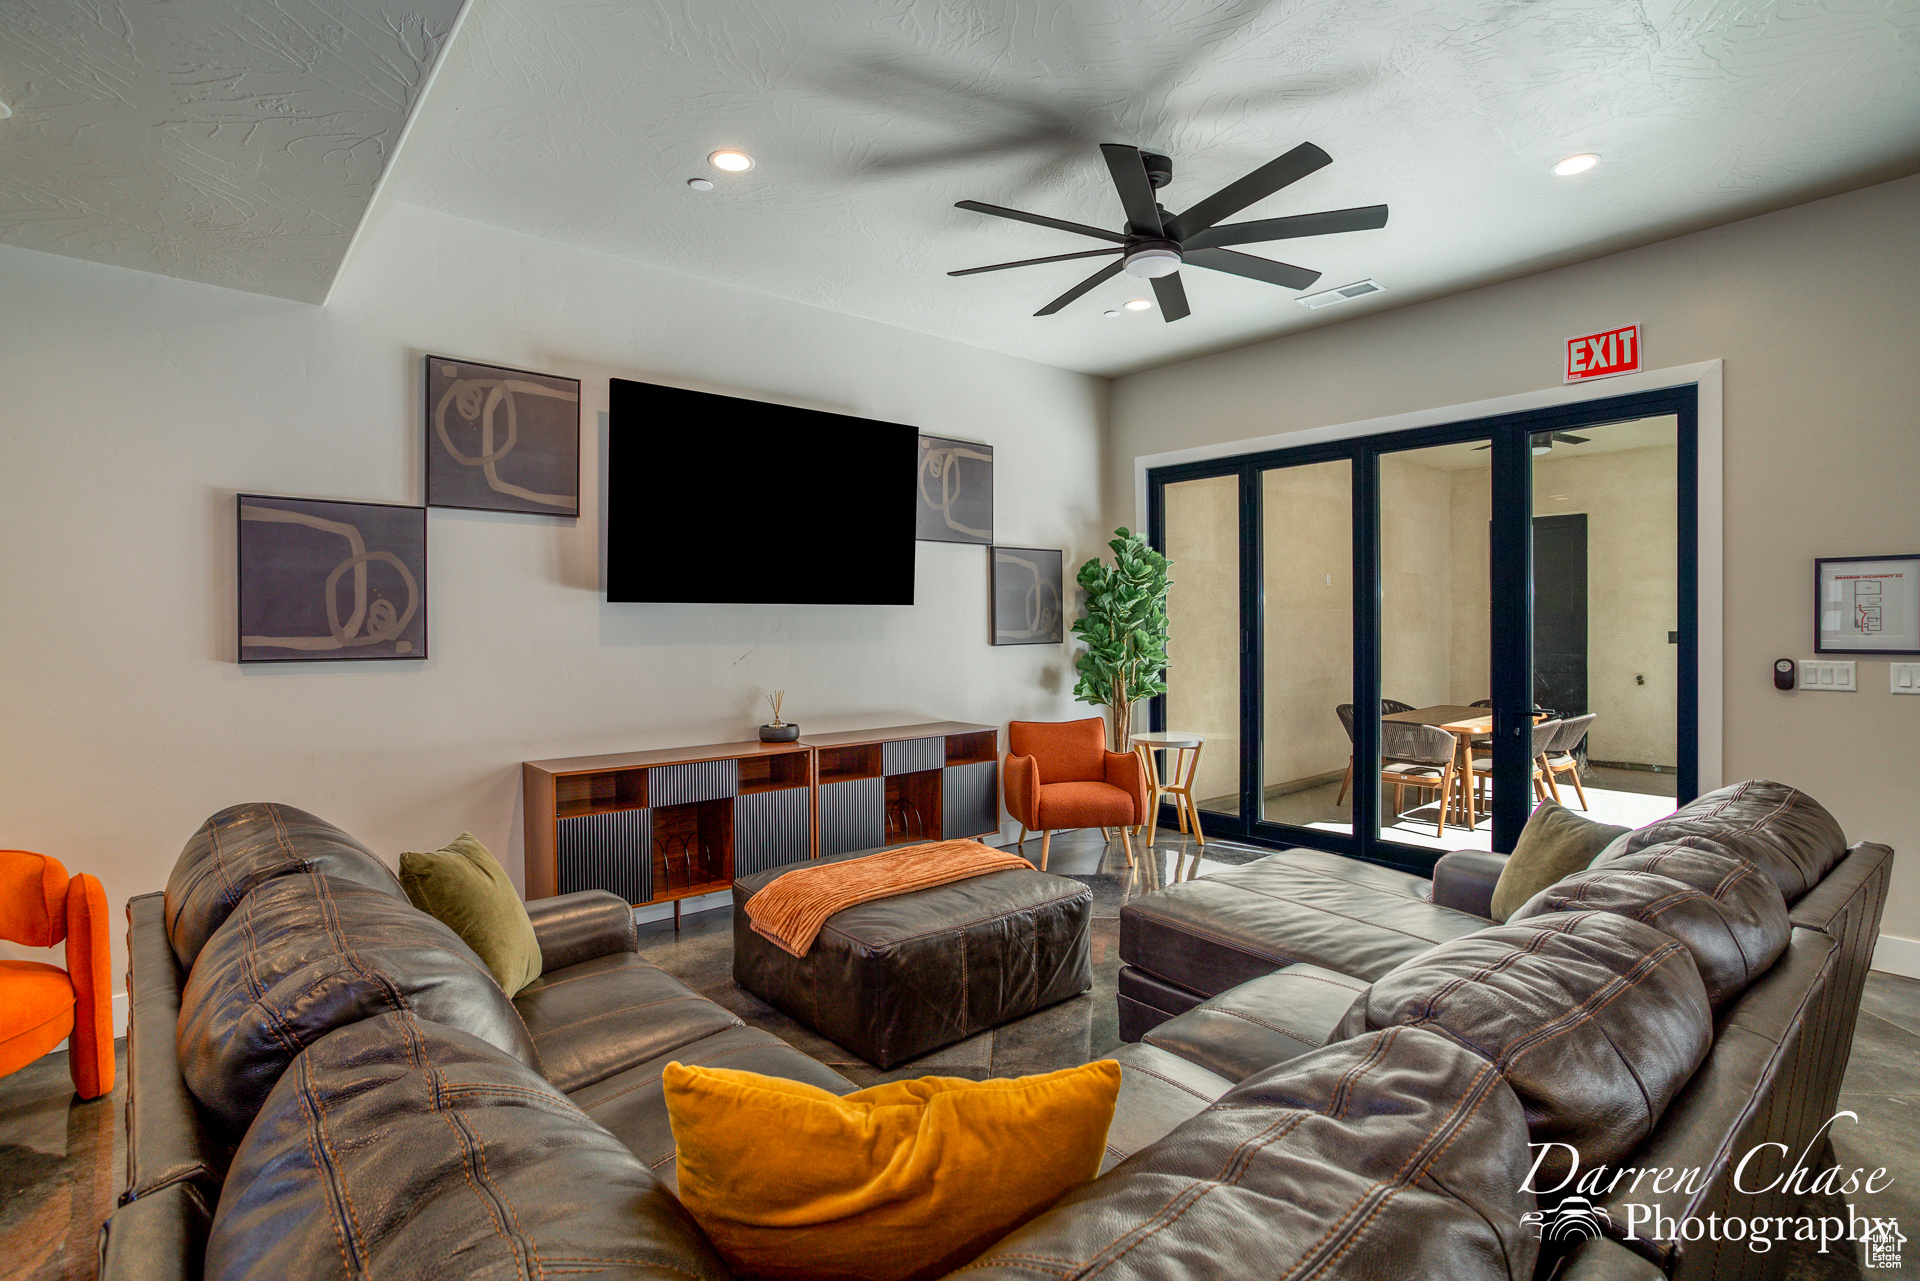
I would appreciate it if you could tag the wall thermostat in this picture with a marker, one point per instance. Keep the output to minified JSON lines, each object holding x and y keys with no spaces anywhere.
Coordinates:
{"x":1783,"y":674}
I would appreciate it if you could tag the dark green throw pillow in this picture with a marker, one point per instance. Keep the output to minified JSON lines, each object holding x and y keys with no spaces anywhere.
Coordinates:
{"x":464,"y":888}
{"x":1556,"y":842}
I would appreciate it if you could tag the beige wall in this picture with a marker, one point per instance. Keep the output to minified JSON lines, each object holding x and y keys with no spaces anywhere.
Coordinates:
{"x":1203,"y":626}
{"x":1813,"y":310}
{"x":1306,"y":526}
{"x":136,"y":406}
{"x":1628,"y":497}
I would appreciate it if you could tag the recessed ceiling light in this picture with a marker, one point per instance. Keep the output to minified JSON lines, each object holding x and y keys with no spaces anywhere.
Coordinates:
{"x":1111,"y":311}
{"x":5,"y":111}
{"x":731,"y":161}
{"x":1138,"y":304}
{"x":1576,"y":164}
{"x":700,"y":184}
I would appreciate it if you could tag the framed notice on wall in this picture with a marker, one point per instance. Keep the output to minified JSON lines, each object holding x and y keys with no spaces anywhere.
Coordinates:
{"x":1866,"y":605}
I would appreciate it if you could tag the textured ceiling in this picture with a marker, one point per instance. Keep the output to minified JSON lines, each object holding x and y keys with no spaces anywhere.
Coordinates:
{"x":235,"y":142}
{"x":580,"y":122}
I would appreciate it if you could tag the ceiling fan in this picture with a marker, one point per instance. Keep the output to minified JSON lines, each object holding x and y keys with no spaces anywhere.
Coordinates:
{"x":1542,"y":441}
{"x":1155,"y":244}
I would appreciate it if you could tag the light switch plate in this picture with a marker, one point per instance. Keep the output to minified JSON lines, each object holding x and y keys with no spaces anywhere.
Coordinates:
{"x":1903,"y":678}
{"x":1834,"y":676}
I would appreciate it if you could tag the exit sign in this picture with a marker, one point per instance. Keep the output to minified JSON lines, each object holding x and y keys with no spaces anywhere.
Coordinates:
{"x":1602,"y":355}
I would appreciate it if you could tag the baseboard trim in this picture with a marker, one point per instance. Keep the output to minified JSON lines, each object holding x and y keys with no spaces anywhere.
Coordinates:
{"x":1896,"y":955}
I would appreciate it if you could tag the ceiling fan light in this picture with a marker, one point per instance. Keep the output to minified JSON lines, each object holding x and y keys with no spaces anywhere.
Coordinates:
{"x":1576,"y":164}
{"x":1152,"y":263}
{"x":1138,"y":304}
{"x":731,"y":161}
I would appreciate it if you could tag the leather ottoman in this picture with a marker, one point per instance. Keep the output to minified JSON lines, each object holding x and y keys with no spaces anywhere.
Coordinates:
{"x":897,"y":977}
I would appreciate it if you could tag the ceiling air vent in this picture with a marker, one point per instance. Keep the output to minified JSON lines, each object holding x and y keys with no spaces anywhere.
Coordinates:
{"x":1328,"y":297}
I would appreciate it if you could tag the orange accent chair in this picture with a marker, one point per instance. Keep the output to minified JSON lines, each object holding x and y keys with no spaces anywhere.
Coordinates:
{"x":1059,"y":774}
{"x":43,"y":1005}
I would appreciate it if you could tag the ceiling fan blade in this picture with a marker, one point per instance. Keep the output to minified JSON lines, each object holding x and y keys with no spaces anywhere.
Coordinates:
{"x":1136,"y":193}
{"x":1028,"y":262}
{"x":1106,"y":273}
{"x":1274,"y":273}
{"x":1258,"y":185}
{"x":1313,"y":224}
{"x":1172,"y":297}
{"x":1571,"y":440}
{"x":1041,"y":220}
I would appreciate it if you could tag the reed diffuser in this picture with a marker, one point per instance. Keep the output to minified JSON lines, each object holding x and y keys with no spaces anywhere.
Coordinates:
{"x":779,"y":731}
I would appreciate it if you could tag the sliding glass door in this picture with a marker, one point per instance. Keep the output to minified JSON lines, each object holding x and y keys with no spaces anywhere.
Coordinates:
{"x":1398,"y":644}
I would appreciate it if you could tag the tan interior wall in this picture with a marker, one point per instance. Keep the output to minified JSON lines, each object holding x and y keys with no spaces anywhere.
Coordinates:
{"x":1812,"y":310}
{"x":1307,"y":562}
{"x":1632,"y":585}
{"x":1203,"y":625}
{"x":1416,"y":564}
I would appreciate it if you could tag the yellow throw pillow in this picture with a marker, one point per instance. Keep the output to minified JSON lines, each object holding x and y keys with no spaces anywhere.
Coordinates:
{"x":898,"y":1181}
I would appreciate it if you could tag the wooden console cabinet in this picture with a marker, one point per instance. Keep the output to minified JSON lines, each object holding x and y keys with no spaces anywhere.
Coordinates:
{"x":660,"y":826}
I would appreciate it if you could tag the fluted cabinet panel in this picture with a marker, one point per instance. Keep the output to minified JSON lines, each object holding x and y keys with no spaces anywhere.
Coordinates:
{"x":770,"y":829}
{"x":695,"y":781}
{"x":612,"y":851}
{"x":969,"y":799}
{"x":853,"y":815}
{"x":911,"y":755}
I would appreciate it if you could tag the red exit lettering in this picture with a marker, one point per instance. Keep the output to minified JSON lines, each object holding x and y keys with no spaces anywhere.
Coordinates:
{"x":1602,"y":355}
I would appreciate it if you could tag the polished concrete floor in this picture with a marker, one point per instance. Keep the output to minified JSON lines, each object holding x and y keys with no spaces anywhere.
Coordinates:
{"x":62,"y":1162}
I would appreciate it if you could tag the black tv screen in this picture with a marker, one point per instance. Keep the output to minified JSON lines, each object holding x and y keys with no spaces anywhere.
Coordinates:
{"x":718,"y":500}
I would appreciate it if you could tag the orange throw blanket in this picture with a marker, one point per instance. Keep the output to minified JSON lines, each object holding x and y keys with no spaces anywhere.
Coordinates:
{"x":791,"y":910}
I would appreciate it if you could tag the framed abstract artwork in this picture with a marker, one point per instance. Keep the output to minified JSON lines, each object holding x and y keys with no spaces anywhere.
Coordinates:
{"x":325,"y":581}
{"x":1027,"y":600}
{"x":502,"y":440}
{"x":1866,"y":605}
{"x":955,"y":502}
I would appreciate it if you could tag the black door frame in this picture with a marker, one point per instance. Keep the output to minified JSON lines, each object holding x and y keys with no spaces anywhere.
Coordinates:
{"x":1510,"y":574}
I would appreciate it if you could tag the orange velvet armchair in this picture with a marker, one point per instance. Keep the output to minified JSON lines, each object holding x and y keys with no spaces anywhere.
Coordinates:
{"x":43,"y":1005}
{"x":1059,"y":774}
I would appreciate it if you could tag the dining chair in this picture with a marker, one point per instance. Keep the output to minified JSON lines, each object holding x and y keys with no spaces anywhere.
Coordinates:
{"x":1559,"y":758}
{"x":1422,"y":758}
{"x":1544,"y":733}
{"x":1388,"y":706}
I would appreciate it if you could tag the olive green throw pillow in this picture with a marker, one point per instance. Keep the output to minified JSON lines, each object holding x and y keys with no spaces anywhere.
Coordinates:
{"x":1556,"y":842}
{"x":464,"y":888}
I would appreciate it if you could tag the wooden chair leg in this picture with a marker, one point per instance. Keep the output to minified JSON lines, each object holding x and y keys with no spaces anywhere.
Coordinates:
{"x":1105,"y":835}
{"x":1574,"y":774}
{"x":1553,"y":786}
{"x":1126,"y":843}
{"x":1046,"y":842}
{"x":1446,"y":799}
{"x":1023,"y":835}
{"x":1345,"y":782}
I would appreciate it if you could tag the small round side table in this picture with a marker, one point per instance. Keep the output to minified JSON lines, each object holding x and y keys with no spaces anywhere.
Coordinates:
{"x":1179,"y":783}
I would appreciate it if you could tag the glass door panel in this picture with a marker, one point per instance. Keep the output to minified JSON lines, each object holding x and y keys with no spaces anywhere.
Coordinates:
{"x":1306,"y":602}
{"x":1606,"y":604}
{"x":1202,"y":540}
{"x":1435,"y":630}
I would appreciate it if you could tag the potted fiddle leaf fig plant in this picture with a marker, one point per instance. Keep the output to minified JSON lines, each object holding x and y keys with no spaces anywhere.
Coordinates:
{"x":1125,"y":630}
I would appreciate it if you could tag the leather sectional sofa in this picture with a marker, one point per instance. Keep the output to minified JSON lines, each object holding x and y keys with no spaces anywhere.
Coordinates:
{"x":1235,"y":972}
{"x":324,"y":1082}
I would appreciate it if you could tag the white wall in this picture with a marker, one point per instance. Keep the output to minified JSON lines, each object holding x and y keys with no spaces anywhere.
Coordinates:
{"x":1814,"y":311}
{"x":136,"y":406}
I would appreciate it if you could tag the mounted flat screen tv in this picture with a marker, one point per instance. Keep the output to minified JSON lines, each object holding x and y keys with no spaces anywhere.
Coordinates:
{"x":718,"y":500}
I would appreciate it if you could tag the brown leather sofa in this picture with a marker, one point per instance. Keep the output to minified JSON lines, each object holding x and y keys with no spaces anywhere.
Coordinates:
{"x":324,"y":1083}
{"x":1234,"y":972}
